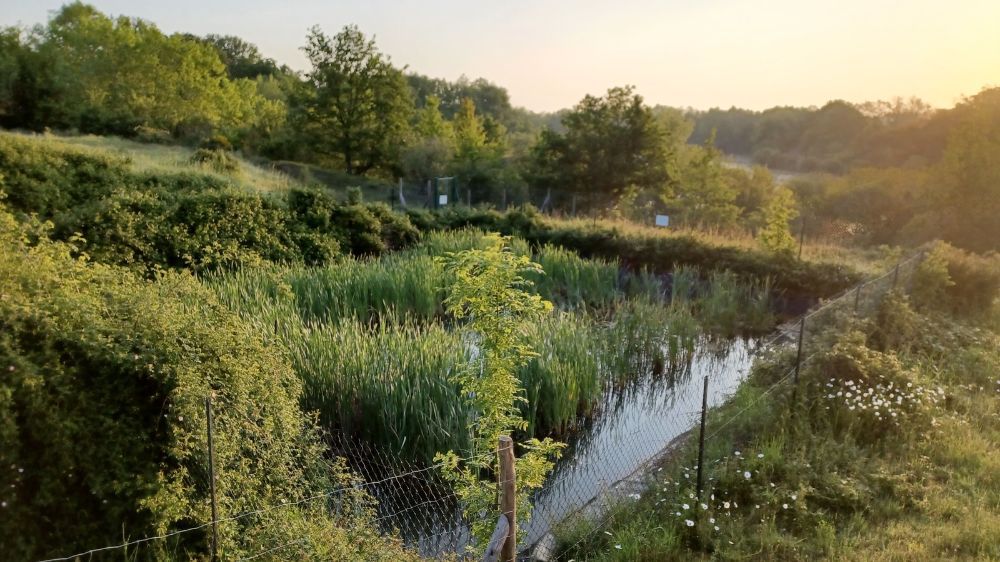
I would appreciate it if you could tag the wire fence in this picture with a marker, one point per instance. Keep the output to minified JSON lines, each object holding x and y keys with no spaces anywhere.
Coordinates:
{"x":638,"y":426}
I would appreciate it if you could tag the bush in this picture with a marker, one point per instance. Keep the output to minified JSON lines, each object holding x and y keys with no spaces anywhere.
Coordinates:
{"x":951,"y":279}
{"x":217,"y":160}
{"x":102,"y":416}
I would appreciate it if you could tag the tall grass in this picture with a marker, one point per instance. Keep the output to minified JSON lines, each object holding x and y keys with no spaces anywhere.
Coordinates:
{"x":147,"y":157}
{"x":369,"y":339}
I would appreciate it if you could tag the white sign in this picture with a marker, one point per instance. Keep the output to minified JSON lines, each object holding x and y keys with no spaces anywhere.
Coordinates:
{"x":662,"y":220}
{"x":442,"y":199}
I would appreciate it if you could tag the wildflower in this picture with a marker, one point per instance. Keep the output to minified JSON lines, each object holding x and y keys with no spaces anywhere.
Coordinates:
{"x":703,"y":506}
{"x":760,"y":455}
{"x":746,"y":474}
{"x":618,"y":546}
{"x":784,"y":506}
{"x":686,"y":506}
{"x":711,"y":520}
{"x":794,"y":497}
{"x":689,"y":523}
{"x":716,"y":527}
{"x":725,"y":505}
{"x":634,"y":496}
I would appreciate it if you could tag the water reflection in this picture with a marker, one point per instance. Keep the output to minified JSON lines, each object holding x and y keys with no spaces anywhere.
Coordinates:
{"x":637,"y":419}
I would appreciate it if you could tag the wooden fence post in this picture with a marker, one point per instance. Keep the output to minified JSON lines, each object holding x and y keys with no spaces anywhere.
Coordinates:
{"x":508,"y":490}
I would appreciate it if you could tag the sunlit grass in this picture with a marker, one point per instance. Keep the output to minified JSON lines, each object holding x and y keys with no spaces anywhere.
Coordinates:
{"x":148,"y":157}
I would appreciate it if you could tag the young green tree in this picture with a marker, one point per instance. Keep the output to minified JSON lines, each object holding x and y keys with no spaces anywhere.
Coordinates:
{"x":359,"y":107}
{"x":775,"y":217}
{"x":490,"y":297}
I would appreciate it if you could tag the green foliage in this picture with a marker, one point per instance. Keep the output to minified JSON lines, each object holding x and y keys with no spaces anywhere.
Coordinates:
{"x":357,"y":110}
{"x":186,"y":220}
{"x":100,"y":74}
{"x":102,"y":418}
{"x":963,"y":283}
{"x":701,"y":197}
{"x":217,"y":160}
{"x":609,"y":143}
{"x":776,"y":215}
{"x":489,"y":295}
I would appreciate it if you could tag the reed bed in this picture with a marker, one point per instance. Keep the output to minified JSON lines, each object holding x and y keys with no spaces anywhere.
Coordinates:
{"x":376,"y":353}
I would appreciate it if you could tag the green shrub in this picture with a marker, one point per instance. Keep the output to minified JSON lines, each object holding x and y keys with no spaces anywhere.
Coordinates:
{"x":217,"y":160}
{"x":102,"y":419}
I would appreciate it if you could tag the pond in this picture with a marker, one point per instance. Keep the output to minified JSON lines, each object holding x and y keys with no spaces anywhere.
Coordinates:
{"x":635,"y":423}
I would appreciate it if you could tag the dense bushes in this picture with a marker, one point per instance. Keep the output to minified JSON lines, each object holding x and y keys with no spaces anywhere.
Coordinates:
{"x":102,"y":421}
{"x":185,"y":220}
{"x":952,"y":280}
{"x":637,"y":248}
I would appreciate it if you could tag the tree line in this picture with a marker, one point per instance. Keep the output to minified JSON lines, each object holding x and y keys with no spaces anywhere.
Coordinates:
{"x":355,"y":110}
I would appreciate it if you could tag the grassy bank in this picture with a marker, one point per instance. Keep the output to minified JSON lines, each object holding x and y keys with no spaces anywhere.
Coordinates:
{"x":888,"y":450}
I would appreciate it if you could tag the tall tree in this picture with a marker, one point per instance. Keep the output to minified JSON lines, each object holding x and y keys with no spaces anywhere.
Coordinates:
{"x":610,"y":143}
{"x":431,"y":147}
{"x":358,"y":110}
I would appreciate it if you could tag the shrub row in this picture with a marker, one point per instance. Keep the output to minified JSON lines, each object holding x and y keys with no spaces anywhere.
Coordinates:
{"x":636,"y":249}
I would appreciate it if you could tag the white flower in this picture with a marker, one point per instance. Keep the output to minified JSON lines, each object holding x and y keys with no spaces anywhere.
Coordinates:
{"x":686,"y":506}
{"x":794,"y":497}
{"x":746,"y":474}
{"x":784,"y":506}
{"x":711,"y":519}
{"x":689,"y":523}
{"x":716,"y":527}
{"x":725,"y":505}
{"x":703,"y":506}
{"x":760,"y":455}
{"x":618,"y":546}
{"x":634,"y":496}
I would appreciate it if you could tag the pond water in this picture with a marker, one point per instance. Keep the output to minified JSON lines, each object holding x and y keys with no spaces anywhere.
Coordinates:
{"x":635,"y":423}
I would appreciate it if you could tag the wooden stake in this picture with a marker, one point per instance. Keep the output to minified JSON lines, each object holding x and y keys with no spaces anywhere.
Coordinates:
{"x":508,"y":491}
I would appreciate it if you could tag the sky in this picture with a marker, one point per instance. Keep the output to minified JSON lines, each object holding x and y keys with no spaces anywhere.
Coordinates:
{"x":684,"y":53}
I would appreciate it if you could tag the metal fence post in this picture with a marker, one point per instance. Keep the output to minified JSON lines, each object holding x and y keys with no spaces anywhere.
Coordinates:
{"x":211,"y":480}
{"x":701,"y":437}
{"x":798,"y":363}
{"x":508,"y":491}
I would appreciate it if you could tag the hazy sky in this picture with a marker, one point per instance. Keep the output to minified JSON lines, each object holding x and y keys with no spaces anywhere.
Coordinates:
{"x":698,"y":53}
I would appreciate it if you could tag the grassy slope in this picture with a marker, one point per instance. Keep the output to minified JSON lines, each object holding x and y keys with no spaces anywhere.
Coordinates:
{"x":147,"y":157}
{"x":855,"y":489}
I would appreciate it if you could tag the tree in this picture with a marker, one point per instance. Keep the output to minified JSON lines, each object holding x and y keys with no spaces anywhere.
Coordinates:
{"x":965,"y":205}
{"x":610,"y":143}
{"x":242,"y":58}
{"x":359,"y":107}
{"x":776,"y":215}
{"x":490,"y":297}
{"x":432,"y":146}
{"x":702,"y":198}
